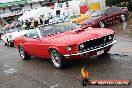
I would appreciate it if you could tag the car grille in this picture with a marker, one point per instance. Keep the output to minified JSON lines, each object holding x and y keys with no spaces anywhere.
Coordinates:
{"x":96,"y":43}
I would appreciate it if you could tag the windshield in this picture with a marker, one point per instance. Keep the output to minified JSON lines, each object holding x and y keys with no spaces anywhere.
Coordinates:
{"x":2,"y":30}
{"x":74,"y":16}
{"x":98,"y":13}
{"x":60,"y":27}
{"x":13,"y":30}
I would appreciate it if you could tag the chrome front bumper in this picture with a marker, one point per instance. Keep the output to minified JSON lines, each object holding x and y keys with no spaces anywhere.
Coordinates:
{"x":81,"y":53}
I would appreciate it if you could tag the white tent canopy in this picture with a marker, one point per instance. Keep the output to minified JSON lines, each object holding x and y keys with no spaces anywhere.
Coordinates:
{"x":35,"y":14}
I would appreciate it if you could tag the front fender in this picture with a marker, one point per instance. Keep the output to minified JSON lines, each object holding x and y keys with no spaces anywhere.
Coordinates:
{"x":54,"y":47}
{"x":61,"y":49}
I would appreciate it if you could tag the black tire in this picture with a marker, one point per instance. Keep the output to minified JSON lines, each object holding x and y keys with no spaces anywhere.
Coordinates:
{"x":101,"y":24}
{"x":11,"y":44}
{"x":5,"y":43}
{"x":57,"y":59}
{"x":23,"y":54}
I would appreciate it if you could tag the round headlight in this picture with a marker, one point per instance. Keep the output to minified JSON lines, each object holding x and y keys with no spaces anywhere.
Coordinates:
{"x":69,"y":48}
{"x":81,"y":46}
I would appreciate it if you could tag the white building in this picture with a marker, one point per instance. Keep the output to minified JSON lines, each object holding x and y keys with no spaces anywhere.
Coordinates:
{"x":11,"y":9}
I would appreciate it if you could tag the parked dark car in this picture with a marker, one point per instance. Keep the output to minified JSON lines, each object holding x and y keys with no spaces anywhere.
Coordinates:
{"x":109,"y":15}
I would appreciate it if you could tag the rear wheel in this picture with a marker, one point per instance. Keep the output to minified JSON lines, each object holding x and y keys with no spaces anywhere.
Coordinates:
{"x":5,"y":43}
{"x":11,"y":44}
{"x":23,"y":54}
{"x":101,"y":24}
{"x":57,"y":59}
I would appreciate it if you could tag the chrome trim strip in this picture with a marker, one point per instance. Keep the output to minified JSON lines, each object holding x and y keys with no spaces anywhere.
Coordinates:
{"x":80,"y":53}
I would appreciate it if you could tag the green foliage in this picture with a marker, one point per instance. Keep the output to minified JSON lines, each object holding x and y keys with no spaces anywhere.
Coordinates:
{"x":122,"y":3}
{"x":107,"y":2}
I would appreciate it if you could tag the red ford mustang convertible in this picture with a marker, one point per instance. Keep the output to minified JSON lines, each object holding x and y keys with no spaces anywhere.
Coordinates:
{"x":64,"y":41}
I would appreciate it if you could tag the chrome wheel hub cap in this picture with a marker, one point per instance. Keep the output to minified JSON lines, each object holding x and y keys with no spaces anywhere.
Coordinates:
{"x":55,"y":58}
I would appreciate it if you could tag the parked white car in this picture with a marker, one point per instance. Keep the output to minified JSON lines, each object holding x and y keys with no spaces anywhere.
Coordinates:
{"x":9,"y":37}
{"x":2,"y":31}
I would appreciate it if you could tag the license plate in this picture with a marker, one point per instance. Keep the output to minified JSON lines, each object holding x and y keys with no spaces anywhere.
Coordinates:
{"x":100,"y":52}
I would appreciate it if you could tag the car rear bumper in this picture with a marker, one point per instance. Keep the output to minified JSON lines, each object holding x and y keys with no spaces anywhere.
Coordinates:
{"x":86,"y":52}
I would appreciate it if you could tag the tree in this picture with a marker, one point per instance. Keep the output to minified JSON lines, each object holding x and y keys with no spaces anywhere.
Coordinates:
{"x":114,"y":2}
{"x":107,"y":2}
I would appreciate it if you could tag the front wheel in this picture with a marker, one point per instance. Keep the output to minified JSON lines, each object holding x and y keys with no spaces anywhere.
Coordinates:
{"x":101,"y":24}
{"x":23,"y":54}
{"x":57,"y":59}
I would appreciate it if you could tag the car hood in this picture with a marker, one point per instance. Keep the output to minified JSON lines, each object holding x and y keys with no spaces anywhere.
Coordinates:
{"x":77,"y":19}
{"x":16,"y":34}
{"x":78,"y":36}
{"x":91,"y":19}
{"x":74,"y":19}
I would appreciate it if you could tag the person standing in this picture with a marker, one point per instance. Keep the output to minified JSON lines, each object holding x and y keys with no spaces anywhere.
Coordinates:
{"x":32,"y":24}
{"x":35,"y":23}
{"x":19,"y":25}
{"x":28,"y":25}
{"x":41,"y":21}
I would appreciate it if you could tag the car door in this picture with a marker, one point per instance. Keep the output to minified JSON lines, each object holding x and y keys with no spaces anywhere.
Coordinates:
{"x":117,"y":12}
{"x":33,"y":43}
{"x":109,"y":15}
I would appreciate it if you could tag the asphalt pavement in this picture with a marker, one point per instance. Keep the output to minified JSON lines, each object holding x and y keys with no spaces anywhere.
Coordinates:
{"x":40,"y":73}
